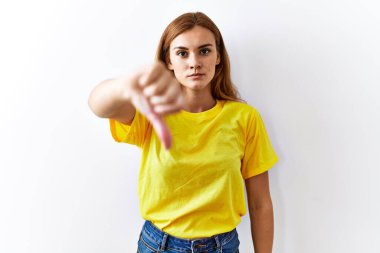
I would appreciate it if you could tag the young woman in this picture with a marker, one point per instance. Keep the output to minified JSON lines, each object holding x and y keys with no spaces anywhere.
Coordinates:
{"x":200,"y":143}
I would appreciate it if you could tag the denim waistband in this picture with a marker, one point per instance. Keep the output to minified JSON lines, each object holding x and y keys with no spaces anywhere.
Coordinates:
{"x":164,"y":240}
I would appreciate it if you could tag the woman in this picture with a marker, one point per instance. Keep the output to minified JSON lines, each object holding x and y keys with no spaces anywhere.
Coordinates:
{"x":199,"y":143}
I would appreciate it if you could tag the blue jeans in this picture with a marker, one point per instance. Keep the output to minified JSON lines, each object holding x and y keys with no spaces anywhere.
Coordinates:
{"x":154,"y":240}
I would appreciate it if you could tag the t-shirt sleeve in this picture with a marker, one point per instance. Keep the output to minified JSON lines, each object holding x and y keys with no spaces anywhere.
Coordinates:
{"x":135,"y":134}
{"x":259,"y":155}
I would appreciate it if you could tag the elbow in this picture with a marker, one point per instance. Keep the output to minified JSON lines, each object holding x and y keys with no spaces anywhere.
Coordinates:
{"x":93,"y":103}
{"x":261,"y":211}
{"x":265,"y":204}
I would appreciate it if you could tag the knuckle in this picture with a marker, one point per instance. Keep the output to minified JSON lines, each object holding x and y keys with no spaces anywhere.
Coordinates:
{"x":150,"y":90}
{"x":154,"y":100}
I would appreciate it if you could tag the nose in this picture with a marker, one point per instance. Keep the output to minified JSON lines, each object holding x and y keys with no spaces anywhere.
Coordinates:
{"x":194,"y":62}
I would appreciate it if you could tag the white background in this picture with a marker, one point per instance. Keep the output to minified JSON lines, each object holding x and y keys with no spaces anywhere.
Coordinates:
{"x":310,"y":67}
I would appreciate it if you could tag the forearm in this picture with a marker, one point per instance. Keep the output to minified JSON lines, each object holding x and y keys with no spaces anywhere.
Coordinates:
{"x":109,"y":99}
{"x":262,"y":229}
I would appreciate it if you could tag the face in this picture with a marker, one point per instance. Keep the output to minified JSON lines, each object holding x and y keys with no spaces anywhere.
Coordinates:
{"x":193,"y":58}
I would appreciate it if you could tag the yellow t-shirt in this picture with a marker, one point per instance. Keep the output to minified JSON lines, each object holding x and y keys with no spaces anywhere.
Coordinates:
{"x":196,"y":189}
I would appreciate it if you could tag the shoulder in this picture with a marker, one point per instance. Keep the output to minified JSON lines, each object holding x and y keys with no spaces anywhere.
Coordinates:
{"x":239,"y":108}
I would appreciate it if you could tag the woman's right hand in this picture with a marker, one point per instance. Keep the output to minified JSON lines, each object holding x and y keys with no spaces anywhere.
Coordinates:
{"x":155,"y":92}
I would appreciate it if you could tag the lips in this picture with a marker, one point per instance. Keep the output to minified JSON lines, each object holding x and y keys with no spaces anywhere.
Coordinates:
{"x":196,"y":75}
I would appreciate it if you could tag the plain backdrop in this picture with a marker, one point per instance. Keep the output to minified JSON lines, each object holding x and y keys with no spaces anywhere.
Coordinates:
{"x":310,"y":67}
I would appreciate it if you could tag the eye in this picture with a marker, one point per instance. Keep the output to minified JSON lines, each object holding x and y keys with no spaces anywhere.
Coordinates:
{"x":205,"y":51}
{"x":182,"y":53}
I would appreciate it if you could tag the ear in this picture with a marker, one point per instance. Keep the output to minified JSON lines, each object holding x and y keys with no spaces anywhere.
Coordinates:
{"x":170,"y":66}
{"x":169,"y":63}
{"x":218,"y":59}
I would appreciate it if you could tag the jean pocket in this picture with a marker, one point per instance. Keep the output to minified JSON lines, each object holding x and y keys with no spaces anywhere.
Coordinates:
{"x":232,"y":244}
{"x":146,"y":244}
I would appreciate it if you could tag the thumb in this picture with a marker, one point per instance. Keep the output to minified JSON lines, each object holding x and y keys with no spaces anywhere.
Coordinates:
{"x":161,"y":129}
{"x":157,"y":121}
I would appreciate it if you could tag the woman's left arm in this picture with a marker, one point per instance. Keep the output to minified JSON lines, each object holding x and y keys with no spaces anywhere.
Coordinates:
{"x":260,"y":212}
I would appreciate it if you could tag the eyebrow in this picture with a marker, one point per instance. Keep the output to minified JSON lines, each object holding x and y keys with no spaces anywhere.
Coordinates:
{"x":205,"y":45}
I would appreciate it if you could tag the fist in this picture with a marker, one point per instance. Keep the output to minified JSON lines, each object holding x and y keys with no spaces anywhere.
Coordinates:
{"x":155,"y":92}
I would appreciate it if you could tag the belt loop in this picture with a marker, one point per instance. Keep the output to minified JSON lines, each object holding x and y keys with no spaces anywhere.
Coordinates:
{"x":218,"y":246}
{"x":163,"y":243}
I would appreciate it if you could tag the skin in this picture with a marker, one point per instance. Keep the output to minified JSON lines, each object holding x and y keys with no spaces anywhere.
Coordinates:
{"x":195,"y":52}
{"x":260,"y":212}
{"x":156,"y":92}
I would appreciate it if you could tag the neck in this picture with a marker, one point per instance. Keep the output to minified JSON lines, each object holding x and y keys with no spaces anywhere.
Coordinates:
{"x":198,"y":101}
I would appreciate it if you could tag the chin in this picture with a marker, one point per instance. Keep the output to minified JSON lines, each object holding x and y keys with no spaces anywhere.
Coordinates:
{"x":195,"y":85}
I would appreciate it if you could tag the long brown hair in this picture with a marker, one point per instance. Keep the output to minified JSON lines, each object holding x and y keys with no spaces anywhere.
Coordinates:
{"x":221,"y":85}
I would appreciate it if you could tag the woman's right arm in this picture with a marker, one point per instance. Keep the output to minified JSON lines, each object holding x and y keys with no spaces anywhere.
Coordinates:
{"x":153,"y":90}
{"x":112,"y":99}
